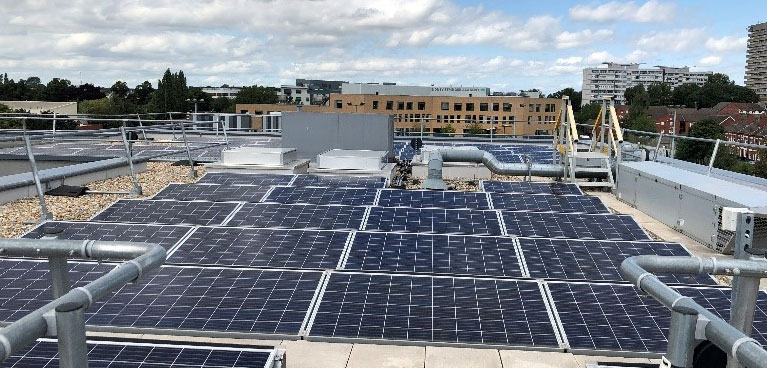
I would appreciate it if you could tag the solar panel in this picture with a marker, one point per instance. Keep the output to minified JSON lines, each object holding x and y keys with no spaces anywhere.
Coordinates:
{"x":174,"y":297}
{"x":167,"y":212}
{"x":573,"y":226}
{"x":213,"y":192}
{"x":323,"y":195}
{"x":527,"y":187}
{"x":595,"y":260}
{"x":433,"y":309}
{"x":124,"y":354}
{"x":439,"y":221}
{"x":548,"y":203}
{"x":298,"y":216}
{"x":432,"y":199}
{"x":617,"y":317}
{"x":261,"y":248}
{"x":433,"y":254}
{"x":245,"y":179}
{"x":303,"y":180}
{"x":165,"y":235}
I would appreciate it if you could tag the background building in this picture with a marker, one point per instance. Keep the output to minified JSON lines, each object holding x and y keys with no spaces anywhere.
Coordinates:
{"x":756,"y":60}
{"x":36,"y":107}
{"x":226,"y":92}
{"x":320,"y":89}
{"x":393,"y":89}
{"x":296,"y":95}
{"x":613,"y":79}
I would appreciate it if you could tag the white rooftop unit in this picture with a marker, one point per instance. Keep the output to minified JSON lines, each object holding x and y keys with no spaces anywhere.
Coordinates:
{"x":265,"y":156}
{"x":338,"y":159}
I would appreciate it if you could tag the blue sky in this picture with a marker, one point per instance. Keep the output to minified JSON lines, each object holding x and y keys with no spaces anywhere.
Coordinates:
{"x":504,"y":45}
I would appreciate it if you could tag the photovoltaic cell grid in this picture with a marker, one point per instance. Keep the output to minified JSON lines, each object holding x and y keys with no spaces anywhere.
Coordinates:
{"x":245,"y":179}
{"x":211,"y":299}
{"x":433,"y":254}
{"x":298,"y":216}
{"x":548,"y":203}
{"x":527,"y":187}
{"x":438,"y":221}
{"x":167,"y":212}
{"x":432,"y":199}
{"x":303,"y":180}
{"x":573,"y":226}
{"x":596,"y":260}
{"x":165,"y":235}
{"x":323,"y":195}
{"x":213,"y":192}
{"x":433,"y":309}
{"x":103,"y":354}
{"x":617,"y":317}
{"x":261,"y":248}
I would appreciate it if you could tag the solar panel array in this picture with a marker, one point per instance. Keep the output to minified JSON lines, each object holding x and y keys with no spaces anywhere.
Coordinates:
{"x":509,"y":153}
{"x":338,"y":258}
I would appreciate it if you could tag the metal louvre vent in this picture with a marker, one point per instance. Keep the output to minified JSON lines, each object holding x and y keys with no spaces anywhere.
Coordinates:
{"x":725,"y":239}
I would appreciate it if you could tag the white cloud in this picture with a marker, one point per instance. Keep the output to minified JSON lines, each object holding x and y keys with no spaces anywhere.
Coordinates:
{"x":652,"y":11}
{"x":711,"y":60}
{"x":599,"y":57}
{"x":585,"y":37}
{"x":726,"y":44}
{"x":673,"y":40}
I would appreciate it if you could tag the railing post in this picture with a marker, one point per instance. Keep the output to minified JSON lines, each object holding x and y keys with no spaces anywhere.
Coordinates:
{"x":59,"y":273}
{"x":141,"y":124}
{"x":681,"y":337}
{"x":744,"y":289}
{"x":605,"y":117}
{"x":45,"y":216}
{"x":713,"y":156}
{"x":226,"y":138}
{"x":491,"y":130}
{"x":136,"y":191}
{"x":421,"y":128}
{"x":192,"y":171}
{"x":54,"y":126}
{"x":657,"y":146}
{"x":70,"y":330}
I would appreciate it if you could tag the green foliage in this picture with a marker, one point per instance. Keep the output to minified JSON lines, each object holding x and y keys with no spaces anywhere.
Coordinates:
{"x":660,"y":94}
{"x":142,"y":94}
{"x":448,"y":129}
{"x":473,"y":128}
{"x":171,"y":93}
{"x":631,"y":92}
{"x":256,"y":94}
{"x":58,"y":90}
{"x":575,"y":98}
{"x":686,"y":95}
{"x":120,"y":90}
{"x":222,"y":104}
{"x":718,"y":88}
{"x":198,"y":94}
{"x":700,"y":152}
{"x":588,"y":113}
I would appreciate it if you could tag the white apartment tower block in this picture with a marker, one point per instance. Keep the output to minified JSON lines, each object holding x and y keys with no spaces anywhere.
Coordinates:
{"x":612,"y":79}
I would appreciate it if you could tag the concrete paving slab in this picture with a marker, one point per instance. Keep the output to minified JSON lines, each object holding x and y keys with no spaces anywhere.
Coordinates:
{"x":583,"y":359}
{"x":305,"y":354}
{"x":537,"y":359}
{"x":386,"y":356}
{"x":444,"y":357}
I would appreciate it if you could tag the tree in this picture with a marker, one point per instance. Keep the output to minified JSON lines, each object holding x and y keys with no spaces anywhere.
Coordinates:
{"x":222,"y":104}
{"x":59,"y":90}
{"x":473,"y":128}
{"x":448,"y":129}
{"x":119,"y":90}
{"x":719,"y":88}
{"x":575,"y":97}
{"x":198,"y":94}
{"x":687,"y":95}
{"x":256,"y":94}
{"x":171,"y":93}
{"x":88,"y":91}
{"x":631,"y":92}
{"x":587,"y":113}
{"x":700,"y":152}
{"x":142,"y":93}
{"x":660,"y":94}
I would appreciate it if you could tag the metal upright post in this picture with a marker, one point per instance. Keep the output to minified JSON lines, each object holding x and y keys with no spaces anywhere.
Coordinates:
{"x":421,"y":128}
{"x":603,"y":129}
{"x":59,"y":274}
{"x":681,"y":338}
{"x":36,"y":176}
{"x":673,"y":136}
{"x":54,"y":126}
{"x":192,"y":171}
{"x":129,"y":156}
{"x":491,"y":130}
{"x":223,"y":129}
{"x":141,"y":124}
{"x":172,"y":127}
{"x":70,"y":330}
{"x":744,"y":289}
{"x":713,"y":156}
{"x":657,"y":147}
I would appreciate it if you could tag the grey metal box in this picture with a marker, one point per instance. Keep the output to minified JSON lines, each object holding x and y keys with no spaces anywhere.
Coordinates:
{"x":314,"y":133}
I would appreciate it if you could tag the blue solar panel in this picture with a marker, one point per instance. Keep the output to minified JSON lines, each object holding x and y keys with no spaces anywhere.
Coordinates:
{"x":433,"y":309}
{"x":165,"y":235}
{"x":527,"y":187}
{"x":303,"y":180}
{"x":432,"y":199}
{"x":113,"y":354}
{"x":595,"y":259}
{"x":323,"y":195}
{"x":618,"y":318}
{"x":547,"y":203}
{"x":433,"y":254}
{"x":189,"y":298}
{"x":261,"y":248}
{"x":298,"y":216}
{"x":573,"y":226}
{"x":245,"y":179}
{"x":427,"y":220}
{"x":167,"y":212}
{"x":213,"y":192}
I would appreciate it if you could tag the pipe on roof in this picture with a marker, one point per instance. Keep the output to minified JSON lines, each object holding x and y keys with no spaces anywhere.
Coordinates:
{"x":640,"y":271}
{"x":141,"y":258}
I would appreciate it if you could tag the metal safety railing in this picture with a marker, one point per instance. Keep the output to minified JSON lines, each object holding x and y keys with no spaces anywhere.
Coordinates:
{"x":491,"y":134}
{"x":63,"y":317}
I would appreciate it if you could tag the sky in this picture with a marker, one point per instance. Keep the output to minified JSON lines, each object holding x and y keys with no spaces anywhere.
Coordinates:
{"x":504,"y":45}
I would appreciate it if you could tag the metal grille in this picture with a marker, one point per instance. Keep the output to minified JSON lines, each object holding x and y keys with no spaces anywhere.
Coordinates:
{"x":725,"y":239}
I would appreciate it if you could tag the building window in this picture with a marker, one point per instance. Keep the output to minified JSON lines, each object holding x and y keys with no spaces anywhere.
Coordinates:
{"x":445,"y":106}
{"x":457,"y":106}
{"x":539,"y":119}
{"x":409,"y":105}
{"x":389,"y":105}
{"x":339,"y":104}
{"x":469,"y":106}
{"x":506,"y":107}
{"x":400,"y":105}
{"x":531,"y":108}
{"x":439,"y":118}
{"x":546,"y":108}
{"x":375,"y":105}
{"x":298,"y":91}
{"x":483,"y":106}
{"x":495,"y":106}
{"x":298,"y":100}
{"x":422,"y":106}
{"x":529,"y":119}
{"x":537,"y":107}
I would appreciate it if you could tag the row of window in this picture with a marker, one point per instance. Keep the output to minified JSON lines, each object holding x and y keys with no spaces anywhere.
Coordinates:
{"x":457,"y":106}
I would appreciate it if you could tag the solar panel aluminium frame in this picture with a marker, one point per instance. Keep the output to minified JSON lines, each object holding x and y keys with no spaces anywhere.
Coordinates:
{"x":478,"y":193}
{"x":352,"y":340}
{"x":154,"y":196}
{"x":272,"y":188}
{"x":481,"y":187}
{"x":178,"y":345}
{"x":223,"y":222}
{"x":498,"y":215}
{"x":290,"y":183}
{"x":644,"y":231}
